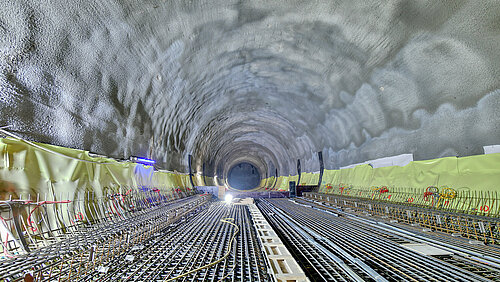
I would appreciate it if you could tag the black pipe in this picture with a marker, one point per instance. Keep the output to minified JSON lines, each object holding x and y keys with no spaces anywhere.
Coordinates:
{"x":204,"y":175}
{"x":275,"y":179}
{"x":190,"y":170}
{"x":298,"y":171}
{"x":321,"y":167}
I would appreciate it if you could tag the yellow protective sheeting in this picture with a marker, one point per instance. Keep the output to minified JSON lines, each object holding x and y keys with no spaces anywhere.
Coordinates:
{"x":304,"y":178}
{"x":186,"y":181}
{"x":283,"y":185}
{"x":263,"y":182}
{"x":209,"y":181}
{"x":25,"y":170}
{"x":480,"y":172}
{"x":277,"y":186}
{"x":307,"y":178}
{"x":314,"y":179}
{"x":267,"y":182}
{"x":200,"y":180}
{"x":468,"y":183}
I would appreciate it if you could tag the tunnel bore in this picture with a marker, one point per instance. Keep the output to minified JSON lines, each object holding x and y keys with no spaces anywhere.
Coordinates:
{"x":244,"y":176}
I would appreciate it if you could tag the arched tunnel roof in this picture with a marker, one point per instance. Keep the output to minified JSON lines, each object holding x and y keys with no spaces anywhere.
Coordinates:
{"x":263,"y":82}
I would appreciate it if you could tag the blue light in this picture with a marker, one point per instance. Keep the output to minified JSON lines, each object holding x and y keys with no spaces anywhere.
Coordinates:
{"x":145,"y":161}
{"x":142,"y":160}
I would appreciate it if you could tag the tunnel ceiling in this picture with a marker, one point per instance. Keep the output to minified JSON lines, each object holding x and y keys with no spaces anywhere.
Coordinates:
{"x":266,"y":82}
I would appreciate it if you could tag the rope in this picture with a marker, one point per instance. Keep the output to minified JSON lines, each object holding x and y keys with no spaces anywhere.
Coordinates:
{"x":225,"y":220}
{"x":229,"y":273}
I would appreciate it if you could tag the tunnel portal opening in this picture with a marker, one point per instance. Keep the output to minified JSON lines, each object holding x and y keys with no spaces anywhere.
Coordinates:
{"x":244,"y":176}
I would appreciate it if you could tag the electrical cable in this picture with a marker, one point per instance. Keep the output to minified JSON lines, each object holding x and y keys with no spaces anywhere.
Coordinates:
{"x":432,"y":191}
{"x":225,"y":220}
{"x":380,"y":191}
{"x":229,"y":273}
{"x":448,"y":193}
{"x":6,"y":251}
{"x":2,"y":130}
{"x":30,"y":222}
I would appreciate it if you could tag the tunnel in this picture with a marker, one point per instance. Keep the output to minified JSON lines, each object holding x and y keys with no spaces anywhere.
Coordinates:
{"x":141,"y":116}
{"x":244,"y":176}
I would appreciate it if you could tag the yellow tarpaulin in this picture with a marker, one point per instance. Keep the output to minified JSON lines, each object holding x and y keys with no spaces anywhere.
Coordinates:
{"x":467,"y":183}
{"x":25,"y":170}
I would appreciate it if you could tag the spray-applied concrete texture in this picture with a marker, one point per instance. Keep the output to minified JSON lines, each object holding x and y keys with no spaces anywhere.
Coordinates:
{"x":260,"y":82}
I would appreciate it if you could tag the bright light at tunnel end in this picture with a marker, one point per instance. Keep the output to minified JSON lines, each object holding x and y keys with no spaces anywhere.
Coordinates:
{"x":228,"y":199}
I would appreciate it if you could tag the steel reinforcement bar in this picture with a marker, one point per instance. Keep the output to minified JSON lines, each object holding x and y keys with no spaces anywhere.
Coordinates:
{"x":479,"y":228}
{"x":372,"y":252}
{"x":91,"y":246}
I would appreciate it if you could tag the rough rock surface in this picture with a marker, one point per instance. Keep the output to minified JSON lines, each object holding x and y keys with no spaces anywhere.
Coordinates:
{"x":265,"y":82}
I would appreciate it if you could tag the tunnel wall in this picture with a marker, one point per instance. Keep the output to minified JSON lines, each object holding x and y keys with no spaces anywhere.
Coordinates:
{"x":220,"y":80}
{"x":27,"y":170}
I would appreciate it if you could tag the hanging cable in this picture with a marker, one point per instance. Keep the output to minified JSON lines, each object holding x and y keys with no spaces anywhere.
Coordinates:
{"x":30,"y":222}
{"x":6,"y":251}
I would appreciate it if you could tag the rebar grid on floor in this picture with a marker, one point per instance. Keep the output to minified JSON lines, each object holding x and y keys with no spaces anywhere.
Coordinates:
{"x":193,"y":243}
{"x":475,"y":227}
{"x":94,"y":245}
{"x":375,"y":252}
{"x":155,"y":248}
